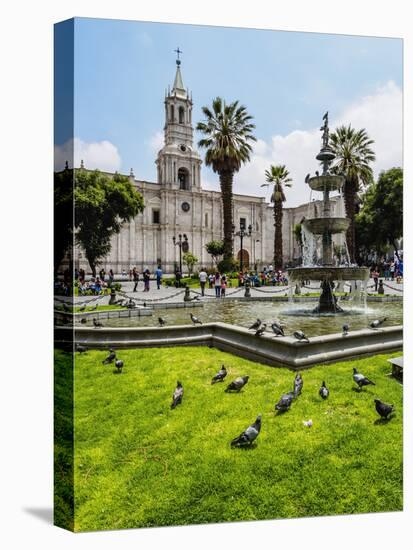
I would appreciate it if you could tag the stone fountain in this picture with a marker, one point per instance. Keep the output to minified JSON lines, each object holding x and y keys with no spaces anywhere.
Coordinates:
{"x":323,"y":227}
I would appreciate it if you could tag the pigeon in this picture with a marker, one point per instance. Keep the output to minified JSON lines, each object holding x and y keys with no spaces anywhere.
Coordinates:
{"x":161,"y":322}
{"x":97,"y":323}
{"x":82,"y":308}
{"x":110,"y":358}
{"x":261,"y":330}
{"x":308,"y":423}
{"x":220,"y":375}
{"x":384,"y":409}
{"x":377,"y":322}
{"x":144,"y":304}
{"x":317,"y":173}
{"x":307,"y":178}
{"x":195,"y":320}
{"x":237,"y":384}
{"x":300,"y":336}
{"x":255,"y":325}
{"x":81,"y":349}
{"x":83,"y":320}
{"x":361,"y":380}
{"x":119,"y":365}
{"x":298,"y":384}
{"x":345,"y":329}
{"x":249,"y":435}
{"x":131,"y":304}
{"x":277,"y":329}
{"x":324,"y":391}
{"x":177,"y":395}
{"x":285,"y":402}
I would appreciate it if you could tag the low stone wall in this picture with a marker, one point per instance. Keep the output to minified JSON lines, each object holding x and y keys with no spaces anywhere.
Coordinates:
{"x":277,"y":352}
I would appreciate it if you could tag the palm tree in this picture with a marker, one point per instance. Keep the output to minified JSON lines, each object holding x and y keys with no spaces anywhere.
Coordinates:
{"x":278,"y":176}
{"x":227,"y":131}
{"x":353,"y":158}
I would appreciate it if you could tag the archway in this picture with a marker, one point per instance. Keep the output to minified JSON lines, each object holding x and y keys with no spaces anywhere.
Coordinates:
{"x":245,"y":258}
{"x":183,"y":179}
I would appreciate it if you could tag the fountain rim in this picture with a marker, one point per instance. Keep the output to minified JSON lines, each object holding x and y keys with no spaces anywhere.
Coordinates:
{"x":329,"y":273}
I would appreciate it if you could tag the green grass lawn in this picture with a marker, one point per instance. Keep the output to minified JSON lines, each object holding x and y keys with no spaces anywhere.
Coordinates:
{"x":139,"y":464}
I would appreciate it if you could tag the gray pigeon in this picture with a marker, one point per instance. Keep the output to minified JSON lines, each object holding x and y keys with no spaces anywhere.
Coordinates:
{"x":324,"y":391}
{"x":256,"y":325}
{"x":237,"y":384}
{"x":220,"y":375}
{"x":300,"y":336}
{"x":119,"y":365}
{"x":345,"y":329}
{"x":161,"y":321}
{"x":195,"y":320}
{"x":249,"y":435}
{"x":277,"y":329}
{"x":97,"y":323}
{"x":81,"y":349}
{"x":307,"y":178}
{"x":261,"y":330}
{"x":110,"y":358}
{"x":317,"y":173}
{"x":384,"y":409}
{"x":285,"y":402}
{"x":298,"y":384}
{"x":177,"y":395}
{"x":377,"y":322}
{"x":361,"y":380}
{"x":83,"y":320}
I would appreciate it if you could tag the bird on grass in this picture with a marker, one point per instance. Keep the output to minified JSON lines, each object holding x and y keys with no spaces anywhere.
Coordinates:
{"x":377,"y":322}
{"x":110,"y":358}
{"x":161,"y":322}
{"x":82,"y":308}
{"x":308,"y":423}
{"x":361,"y":380}
{"x":384,"y":409}
{"x":220,"y":375}
{"x":119,"y":365}
{"x":255,"y":325}
{"x":346,"y":328}
{"x":195,"y":320}
{"x":81,"y":349}
{"x":298,"y":384}
{"x":277,"y":330}
{"x":261,"y":330}
{"x":324,"y":391}
{"x":177,"y":395}
{"x":237,"y":384}
{"x":83,"y":320}
{"x":96,"y":323}
{"x":247,"y":437}
{"x":285,"y":402}
{"x":300,"y":336}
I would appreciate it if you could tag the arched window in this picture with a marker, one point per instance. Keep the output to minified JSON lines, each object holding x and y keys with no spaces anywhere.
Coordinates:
{"x":183,"y":178}
{"x":181,"y":115}
{"x":172,"y":113}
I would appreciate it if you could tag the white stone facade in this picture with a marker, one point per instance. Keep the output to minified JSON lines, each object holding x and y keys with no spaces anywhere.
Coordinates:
{"x":177,"y":204}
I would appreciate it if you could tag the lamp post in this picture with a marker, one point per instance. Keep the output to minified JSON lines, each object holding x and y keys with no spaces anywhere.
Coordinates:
{"x":181,"y":241}
{"x":243,"y":232}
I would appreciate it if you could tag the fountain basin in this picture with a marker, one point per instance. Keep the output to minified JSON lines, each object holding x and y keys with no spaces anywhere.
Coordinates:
{"x":326,"y":183}
{"x":318,"y":226}
{"x":327,"y":273}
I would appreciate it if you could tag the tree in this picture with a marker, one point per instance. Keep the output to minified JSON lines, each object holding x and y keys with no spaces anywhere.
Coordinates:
{"x":189,"y":260}
{"x":353,"y":158}
{"x":102,"y":206}
{"x":278,"y":177}
{"x":215,"y":249}
{"x":380,"y":221}
{"x":227,"y":131}
{"x":299,"y":236}
{"x":63,"y":215}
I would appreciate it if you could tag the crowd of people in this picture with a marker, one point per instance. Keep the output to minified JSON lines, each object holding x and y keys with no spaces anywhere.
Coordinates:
{"x":388,"y":270}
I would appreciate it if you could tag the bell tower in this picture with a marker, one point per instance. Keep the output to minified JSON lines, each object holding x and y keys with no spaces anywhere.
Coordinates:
{"x":178,"y":163}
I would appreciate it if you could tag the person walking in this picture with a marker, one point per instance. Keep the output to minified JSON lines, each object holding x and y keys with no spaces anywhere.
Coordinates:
{"x":217,"y":284}
{"x":111,"y":277}
{"x":202,"y":280}
{"x":223,"y":285}
{"x":146,"y":279}
{"x":211,"y":280}
{"x":392,"y":270}
{"x":158,"y":274}
{"x":135,"y":276}
{"x":375,"y":274}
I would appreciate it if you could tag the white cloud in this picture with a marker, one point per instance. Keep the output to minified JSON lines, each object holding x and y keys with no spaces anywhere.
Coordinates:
{"x":156,"y":142}
{"x":101,"y":155}
{"x":379,"y":113}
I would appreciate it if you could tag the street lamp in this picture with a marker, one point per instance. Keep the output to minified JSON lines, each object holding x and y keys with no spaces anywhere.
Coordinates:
{"x":243,"y":232}
{"x":181,"y":242}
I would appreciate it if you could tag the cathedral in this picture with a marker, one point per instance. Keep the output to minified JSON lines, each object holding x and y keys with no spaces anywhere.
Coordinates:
{"x":177,"y":205}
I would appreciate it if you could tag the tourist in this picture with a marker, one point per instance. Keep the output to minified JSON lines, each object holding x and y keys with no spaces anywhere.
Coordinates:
{"x":217,"y":282}
{"x":146,"y":279}
{"x":158,"y":274}
{"x":130,"y":274}
{"x":178,"y":277}
{"x":223,"y":285}
{"x":111,"y":277}
{"x":211,"y":280}
{"x":203,"y":276}
{"x":375,"y":275}
{"x":392,"y":270}
{"x":135,"y":275}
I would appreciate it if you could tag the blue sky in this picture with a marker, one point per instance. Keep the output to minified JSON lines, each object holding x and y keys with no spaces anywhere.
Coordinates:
{"x":287,"y":80}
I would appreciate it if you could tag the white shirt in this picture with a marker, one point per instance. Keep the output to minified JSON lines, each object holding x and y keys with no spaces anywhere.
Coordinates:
{"x":203,"y":276}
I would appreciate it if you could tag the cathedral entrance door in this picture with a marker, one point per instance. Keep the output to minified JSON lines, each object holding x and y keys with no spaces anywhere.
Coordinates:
{"x":245,"y":258}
